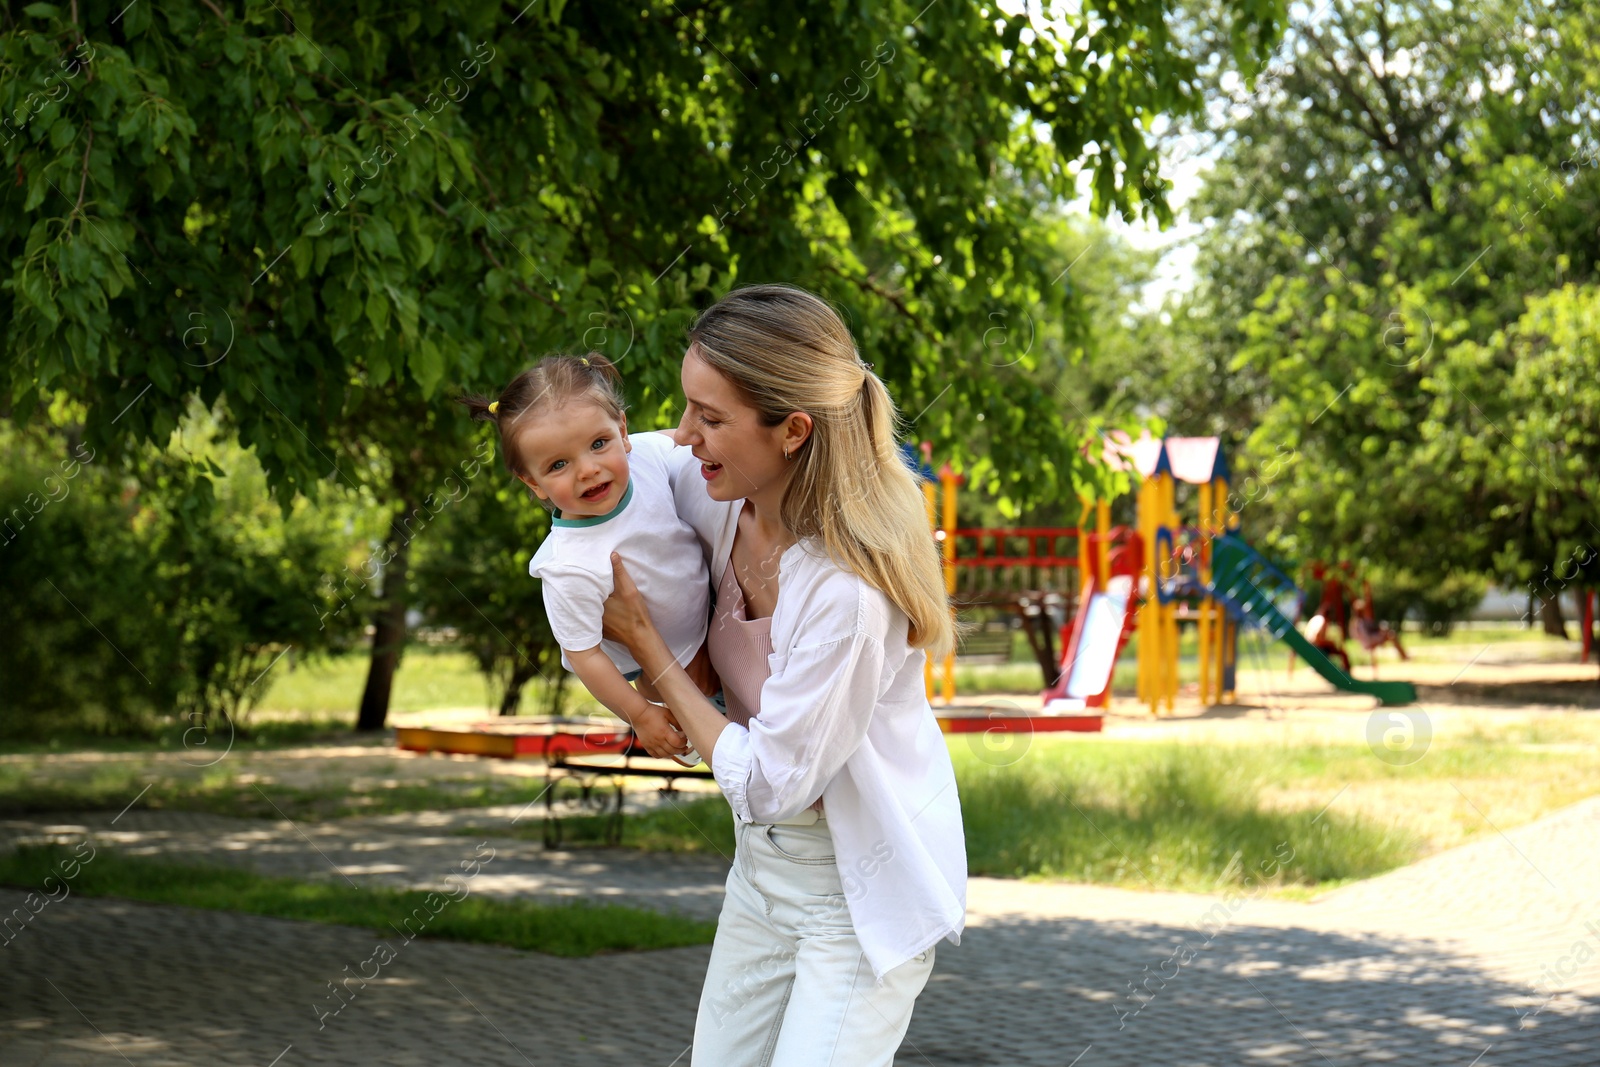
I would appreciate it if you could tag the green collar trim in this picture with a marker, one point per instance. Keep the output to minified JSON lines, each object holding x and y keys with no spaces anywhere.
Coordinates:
{"x":596,"y":520}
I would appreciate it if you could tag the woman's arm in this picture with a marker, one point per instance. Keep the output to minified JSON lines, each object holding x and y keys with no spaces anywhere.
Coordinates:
{"x":815,"y":710}
{"x":626,"y":619}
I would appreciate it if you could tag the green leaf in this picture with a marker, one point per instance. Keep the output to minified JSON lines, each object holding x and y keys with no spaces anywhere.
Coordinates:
{"x":378,"y":237}
{"x":159,"y":176}
{"x":427,"y":365}
{"x":62,"y":133}
{"x":378,"y":312}
{"x":301,"y":253}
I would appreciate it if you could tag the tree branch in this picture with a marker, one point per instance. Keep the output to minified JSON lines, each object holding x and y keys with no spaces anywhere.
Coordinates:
{"x":519,"y":282}
{"x":83,"y":182}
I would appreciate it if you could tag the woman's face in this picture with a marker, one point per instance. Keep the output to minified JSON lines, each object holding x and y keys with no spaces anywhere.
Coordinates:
{"x":738,"y":456}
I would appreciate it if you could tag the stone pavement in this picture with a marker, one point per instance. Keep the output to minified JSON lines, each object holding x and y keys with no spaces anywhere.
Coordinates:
{"x":1486,"y":955}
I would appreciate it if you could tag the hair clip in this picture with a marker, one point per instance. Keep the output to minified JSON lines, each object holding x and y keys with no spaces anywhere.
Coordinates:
{"x":494,"y":407}
{"x":584,"y":360}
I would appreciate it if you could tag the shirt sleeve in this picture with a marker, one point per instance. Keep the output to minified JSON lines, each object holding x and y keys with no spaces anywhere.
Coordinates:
{"x":574,"y":600}
{"x":814,"y":714}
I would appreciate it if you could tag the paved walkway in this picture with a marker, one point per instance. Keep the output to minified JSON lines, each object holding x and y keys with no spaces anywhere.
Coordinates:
{"x":1486,"y":955}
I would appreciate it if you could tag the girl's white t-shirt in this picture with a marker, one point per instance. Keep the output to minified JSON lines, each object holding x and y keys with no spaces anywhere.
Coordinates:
{"x":661,"y":551}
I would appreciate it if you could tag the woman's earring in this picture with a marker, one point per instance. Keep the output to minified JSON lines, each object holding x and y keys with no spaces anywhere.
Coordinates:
{"x":787,"y":454}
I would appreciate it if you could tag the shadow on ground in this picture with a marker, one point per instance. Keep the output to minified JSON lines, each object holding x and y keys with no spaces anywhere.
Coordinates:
{"x":1562,"y":693}
{"x":101,"y":981}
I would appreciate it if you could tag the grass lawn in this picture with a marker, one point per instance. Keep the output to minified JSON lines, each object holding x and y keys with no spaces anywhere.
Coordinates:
{"x":1120,"y":811}
{"x":1295,"y":819}
{"x":577,"y":929}
{"x":428,"y":678}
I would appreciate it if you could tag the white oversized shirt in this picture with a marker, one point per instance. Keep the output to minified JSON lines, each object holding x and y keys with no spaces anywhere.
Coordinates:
{"x":845,"y":716}
{"x":663,"y":556}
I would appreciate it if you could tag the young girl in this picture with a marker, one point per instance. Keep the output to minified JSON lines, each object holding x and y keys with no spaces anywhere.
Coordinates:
{"x":565,"y":435}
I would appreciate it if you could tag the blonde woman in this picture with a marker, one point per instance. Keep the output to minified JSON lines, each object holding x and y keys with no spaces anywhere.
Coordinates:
{"x":850,"y":864}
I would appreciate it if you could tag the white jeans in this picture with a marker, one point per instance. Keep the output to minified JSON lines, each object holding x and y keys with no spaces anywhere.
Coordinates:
{"x":788,"y":984}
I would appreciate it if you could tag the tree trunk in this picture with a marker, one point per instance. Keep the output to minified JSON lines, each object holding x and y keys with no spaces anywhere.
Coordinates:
{"x":521,"y":674}
{"x":1550,"y":614}
{"x":388,"y":635}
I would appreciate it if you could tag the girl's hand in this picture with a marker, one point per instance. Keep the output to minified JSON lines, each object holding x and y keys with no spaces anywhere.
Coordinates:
{"x":658,"y":734}
{"x":625,"y":618}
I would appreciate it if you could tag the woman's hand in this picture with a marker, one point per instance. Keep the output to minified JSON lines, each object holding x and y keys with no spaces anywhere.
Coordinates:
{"x":625,"y":617}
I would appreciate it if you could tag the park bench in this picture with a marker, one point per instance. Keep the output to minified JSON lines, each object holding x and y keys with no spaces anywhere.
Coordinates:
{"x":590,"y":769}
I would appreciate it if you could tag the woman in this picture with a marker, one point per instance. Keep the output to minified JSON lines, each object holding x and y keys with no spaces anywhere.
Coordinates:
{"x":850,"y":862}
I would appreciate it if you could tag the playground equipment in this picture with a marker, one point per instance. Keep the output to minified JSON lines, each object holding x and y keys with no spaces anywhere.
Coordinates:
{"x":1358,"y":620}
{"x":1254,"y":589}
{"x":1148,"y":579}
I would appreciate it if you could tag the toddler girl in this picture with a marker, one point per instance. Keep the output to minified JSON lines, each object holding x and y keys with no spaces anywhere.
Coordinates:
{"x":565,"y":435}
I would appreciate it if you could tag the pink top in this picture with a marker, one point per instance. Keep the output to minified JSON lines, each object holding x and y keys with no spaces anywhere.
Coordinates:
{"x":739,"y":648}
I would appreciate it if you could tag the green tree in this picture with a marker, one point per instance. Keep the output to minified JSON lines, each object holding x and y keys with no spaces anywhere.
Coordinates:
{"x":472,"y":576}
{"x":378,"y":204}
{"x":1403,"y":214}
{"x":164,"y":583}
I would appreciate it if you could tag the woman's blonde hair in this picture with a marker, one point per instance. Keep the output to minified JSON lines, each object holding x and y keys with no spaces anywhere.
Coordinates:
{"x":786,"y":351}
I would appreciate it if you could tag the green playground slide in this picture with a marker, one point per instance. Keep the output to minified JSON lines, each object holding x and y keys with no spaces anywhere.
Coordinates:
{"x":1244,"y":580}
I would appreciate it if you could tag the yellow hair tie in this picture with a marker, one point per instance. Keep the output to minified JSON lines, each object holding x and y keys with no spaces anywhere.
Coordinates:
{"x":494,"y":406}
{"x":585,"y":360}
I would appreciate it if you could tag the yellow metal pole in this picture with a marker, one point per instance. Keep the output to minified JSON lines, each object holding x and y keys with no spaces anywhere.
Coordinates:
{"x":1102,"y":525}
{"x":1085,"y":554}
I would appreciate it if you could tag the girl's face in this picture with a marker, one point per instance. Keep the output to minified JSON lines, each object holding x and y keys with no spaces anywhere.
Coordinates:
{"x":577,"y":455}
{"x":738,"y":456}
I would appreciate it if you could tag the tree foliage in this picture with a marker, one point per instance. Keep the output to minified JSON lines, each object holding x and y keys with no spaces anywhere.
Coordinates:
{"x":377,"y":204}
{"x":163,"y":585}
{"x":1399,"y":277}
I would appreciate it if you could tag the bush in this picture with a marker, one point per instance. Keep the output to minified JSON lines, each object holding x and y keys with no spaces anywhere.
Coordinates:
{"x":160,"y":588}
{"x":1437,"y":603}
